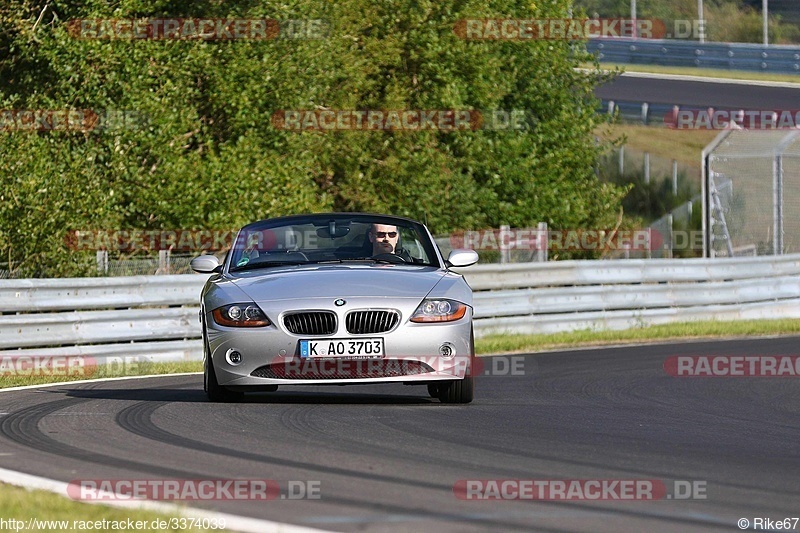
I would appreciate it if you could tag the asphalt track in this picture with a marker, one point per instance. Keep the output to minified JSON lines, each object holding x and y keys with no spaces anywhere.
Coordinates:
{"x":726,"y":94}
{"x":387,"y":457}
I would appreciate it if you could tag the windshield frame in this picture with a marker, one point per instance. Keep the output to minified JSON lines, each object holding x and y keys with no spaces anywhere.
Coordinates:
{"x":424,"y":237}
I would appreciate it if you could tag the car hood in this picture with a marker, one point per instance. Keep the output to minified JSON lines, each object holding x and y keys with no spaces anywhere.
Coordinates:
{"x":338,"y":281}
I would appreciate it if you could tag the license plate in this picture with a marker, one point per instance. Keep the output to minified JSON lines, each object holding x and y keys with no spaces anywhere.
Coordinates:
{"x":361,"y":348}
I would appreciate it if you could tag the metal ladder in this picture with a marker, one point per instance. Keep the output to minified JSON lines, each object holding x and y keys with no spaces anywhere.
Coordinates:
{"x":718,"y":214}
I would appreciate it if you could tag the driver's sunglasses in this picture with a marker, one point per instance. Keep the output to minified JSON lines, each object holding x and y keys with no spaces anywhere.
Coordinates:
{"x":382,"y":234}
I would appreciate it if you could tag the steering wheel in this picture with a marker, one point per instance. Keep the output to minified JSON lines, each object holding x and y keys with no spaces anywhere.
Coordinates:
{"x":288,"y":253}
{"x":390,"y":257}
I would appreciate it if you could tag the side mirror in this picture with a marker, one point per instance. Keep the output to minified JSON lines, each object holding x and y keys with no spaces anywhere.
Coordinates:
{"x":462,"y":258}
{"x":205,"y":264}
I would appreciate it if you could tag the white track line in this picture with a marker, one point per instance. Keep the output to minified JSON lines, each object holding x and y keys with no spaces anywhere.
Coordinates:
{"x":232,"y":522}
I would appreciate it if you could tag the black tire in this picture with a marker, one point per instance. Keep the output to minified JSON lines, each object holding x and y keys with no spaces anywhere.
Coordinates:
{"x":433,"y":390}
{"x":459,"y":390}
{"x":216,"y":392}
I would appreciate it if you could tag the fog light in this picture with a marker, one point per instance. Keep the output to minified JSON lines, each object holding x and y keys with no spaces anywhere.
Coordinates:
{"x":233,"y":357}
{"x":447,"y":350}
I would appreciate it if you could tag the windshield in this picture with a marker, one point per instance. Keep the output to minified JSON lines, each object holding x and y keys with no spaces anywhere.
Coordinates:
{"x":330,"y":238}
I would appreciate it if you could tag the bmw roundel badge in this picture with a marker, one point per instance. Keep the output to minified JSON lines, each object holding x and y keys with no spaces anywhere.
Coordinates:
{"x":339,"y":302}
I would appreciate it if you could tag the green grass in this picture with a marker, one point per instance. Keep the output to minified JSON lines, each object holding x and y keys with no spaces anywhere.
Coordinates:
{"x":103,"y":371}
{"x":22,"y":504}
{"x":495,"y":344}
{"x":703,"y":72}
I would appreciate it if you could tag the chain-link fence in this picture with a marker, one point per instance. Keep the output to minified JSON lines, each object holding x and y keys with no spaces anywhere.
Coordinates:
{"x":164,"y":263}
{"x":660,"y":185}
{"x":500,"y":245}
{"x":752,"y":186}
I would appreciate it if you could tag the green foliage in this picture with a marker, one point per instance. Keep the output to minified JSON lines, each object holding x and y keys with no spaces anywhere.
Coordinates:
{"x":199,"y":150}
{"x":647,"y":201}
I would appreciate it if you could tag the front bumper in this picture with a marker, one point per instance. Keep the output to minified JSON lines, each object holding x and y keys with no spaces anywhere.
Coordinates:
{"x":271,"y":355}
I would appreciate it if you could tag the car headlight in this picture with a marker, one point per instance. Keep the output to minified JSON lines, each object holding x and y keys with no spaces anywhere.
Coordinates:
{"x":245,"y":315}
{"x":439,"y":310}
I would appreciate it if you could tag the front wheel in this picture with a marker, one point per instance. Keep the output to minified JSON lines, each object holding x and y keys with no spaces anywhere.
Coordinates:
{"x":216,"y":392}
{"x":457,"y":391}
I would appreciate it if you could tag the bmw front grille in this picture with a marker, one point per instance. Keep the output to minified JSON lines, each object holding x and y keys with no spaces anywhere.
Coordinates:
{"x":371,"y":321}
{"x":311,"y":323}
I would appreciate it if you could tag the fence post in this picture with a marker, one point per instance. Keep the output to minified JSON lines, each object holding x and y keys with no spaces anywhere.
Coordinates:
{"x":647,"y":168}
{"x":674,"y":177}
{"x":668,"y":249}
{"x":622,"y":160}
{"x":542,"y":242}
{"x":777,"y":208}
{"x":163,"y":262}
{"x":102,"y":261}
{"x":778,"y":191}
{"x":505,"y":253}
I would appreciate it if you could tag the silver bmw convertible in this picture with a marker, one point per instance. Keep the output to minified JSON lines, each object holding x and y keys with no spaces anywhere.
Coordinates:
{"x":336,"y":298}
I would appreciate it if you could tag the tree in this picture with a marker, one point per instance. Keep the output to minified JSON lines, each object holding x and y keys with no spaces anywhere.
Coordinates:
{"x":197,"y":148}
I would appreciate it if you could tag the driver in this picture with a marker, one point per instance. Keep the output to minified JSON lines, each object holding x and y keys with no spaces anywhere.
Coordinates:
{"x":384,"y":239}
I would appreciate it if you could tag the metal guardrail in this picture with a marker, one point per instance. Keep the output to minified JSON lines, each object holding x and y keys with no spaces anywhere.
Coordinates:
{"x":61,"y":294}
{"x":733,"y":56}
{"x":155,"y":317}
{"x":627,"y":271}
